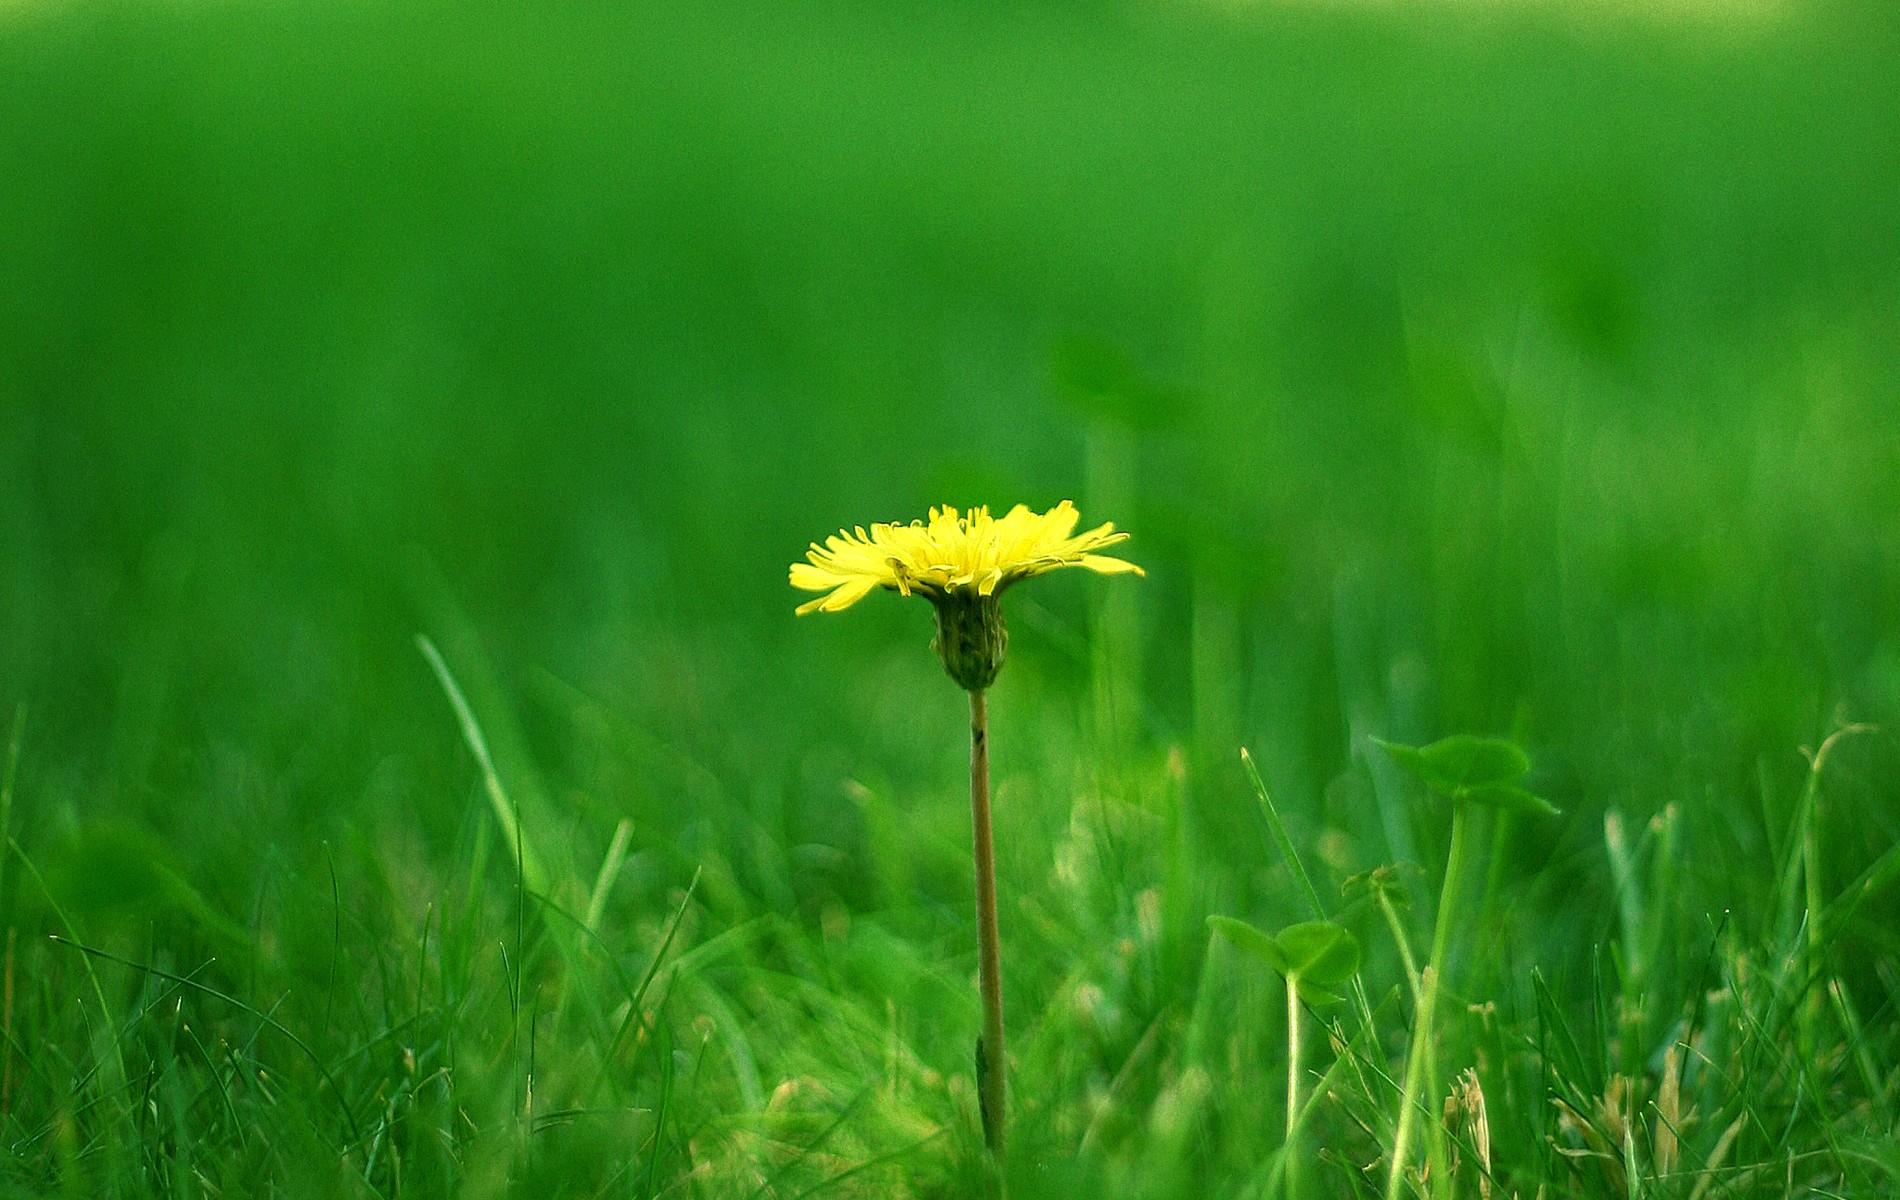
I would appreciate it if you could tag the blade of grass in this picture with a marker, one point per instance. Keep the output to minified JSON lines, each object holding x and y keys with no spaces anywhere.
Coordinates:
{"x":507,"y":814}
{"x":98,"y":991}
{"x":609,"y":873}
{"x":343,"y":1103}
{"x":1281,"y":841}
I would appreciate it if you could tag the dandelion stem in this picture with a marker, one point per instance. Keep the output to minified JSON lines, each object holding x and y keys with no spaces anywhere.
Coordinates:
{"x":989,"y":1050}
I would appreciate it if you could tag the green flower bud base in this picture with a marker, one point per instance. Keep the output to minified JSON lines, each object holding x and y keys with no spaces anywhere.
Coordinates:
{"x":971,"y":639}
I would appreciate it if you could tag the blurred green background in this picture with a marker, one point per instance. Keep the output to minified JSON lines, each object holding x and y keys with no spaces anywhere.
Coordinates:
{"x":1529,"y":370}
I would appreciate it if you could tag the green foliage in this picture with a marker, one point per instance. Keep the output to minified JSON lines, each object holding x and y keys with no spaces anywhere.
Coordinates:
{"x":1529,"y":369}
{"x":1480,"y":770}
{"x":1316,"y":957}
{"x":1100,"y":380}
{"x":1250,"y":939}
{"x":1319,"y":952}
{"x":1388,"y":881}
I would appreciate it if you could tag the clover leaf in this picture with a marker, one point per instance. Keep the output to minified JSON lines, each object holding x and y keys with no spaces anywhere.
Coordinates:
{"x":1482,"y":770}
{"x":1314,"y":956}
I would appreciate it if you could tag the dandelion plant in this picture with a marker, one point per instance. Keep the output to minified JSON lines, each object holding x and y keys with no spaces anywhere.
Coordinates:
{"x":963,"y":563}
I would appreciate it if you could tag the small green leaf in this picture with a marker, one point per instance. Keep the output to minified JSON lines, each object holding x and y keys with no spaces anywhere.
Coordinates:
{"x":1316,"y":996}
{"x":1515,"y":799}
{"x":1319,"y":952}
{"x":1250,"y":940}
{"x":1387,"y":881}
{"x":1460,"y":766}
{"x":1314,"y":956}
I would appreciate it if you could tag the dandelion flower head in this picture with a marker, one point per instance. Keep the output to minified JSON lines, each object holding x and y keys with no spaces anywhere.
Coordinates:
{"x":953,"y":556}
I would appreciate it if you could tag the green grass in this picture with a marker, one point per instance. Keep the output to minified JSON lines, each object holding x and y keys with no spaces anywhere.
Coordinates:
{"x":1510,"y":374}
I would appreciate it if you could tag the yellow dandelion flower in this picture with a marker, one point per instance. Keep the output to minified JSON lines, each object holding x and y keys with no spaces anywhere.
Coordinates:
{"x":952,"y":554}
{"x":962,"y":563}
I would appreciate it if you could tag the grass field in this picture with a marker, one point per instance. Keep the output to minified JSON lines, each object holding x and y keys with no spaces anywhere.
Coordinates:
{"x":416,"y":781}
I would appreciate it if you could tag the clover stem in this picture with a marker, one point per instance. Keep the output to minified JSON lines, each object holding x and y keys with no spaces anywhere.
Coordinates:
{"x":1404,"y":943}
{"x":989,"y":1049}
{"x":1421,"y":1071}
{"x":1448,"y":897}
{"x":1292,"y":1061}
{"x":1441,"y":964}
{"x":1289,"y":1152}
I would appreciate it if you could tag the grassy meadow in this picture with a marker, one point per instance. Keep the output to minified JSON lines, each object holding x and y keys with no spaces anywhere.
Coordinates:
{"x":416,"y":783}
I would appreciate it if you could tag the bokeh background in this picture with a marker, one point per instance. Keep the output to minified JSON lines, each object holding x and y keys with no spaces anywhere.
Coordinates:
{"x":1511,"y":368}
